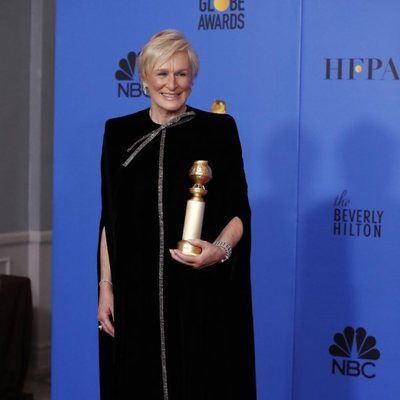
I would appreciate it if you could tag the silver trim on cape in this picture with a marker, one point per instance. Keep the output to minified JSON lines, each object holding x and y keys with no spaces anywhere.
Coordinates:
{"x":161,"y":264}
{"x":141,"y":143}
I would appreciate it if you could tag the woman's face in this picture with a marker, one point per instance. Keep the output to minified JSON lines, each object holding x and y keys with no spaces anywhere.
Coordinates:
{"x":169,"y":86}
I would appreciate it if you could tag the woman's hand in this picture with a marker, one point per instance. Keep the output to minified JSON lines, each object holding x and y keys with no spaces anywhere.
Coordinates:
{"x":106,"y":309}
{"x":210,"y":255}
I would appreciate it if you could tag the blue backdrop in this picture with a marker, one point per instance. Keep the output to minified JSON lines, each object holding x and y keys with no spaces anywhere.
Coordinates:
{"x":314,"y":87}
{"x":348,"y":215}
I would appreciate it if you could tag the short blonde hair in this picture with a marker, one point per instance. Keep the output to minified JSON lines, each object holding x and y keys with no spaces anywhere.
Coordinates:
{"x":161,"y":47}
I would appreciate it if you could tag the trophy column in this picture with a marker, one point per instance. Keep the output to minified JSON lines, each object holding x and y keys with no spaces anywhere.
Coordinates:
{"x":200,"y":173}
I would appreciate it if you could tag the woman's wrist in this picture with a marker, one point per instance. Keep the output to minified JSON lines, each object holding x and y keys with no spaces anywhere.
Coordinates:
{"x":227,"y":249}
{"x":104,"y":282}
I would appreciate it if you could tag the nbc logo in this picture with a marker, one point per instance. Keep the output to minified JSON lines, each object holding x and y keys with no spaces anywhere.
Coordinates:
{"x":125,"y":77}
{"x":356,"y":350}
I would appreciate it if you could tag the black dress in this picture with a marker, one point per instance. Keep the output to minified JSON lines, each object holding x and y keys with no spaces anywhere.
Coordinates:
{"x":180,"y":334}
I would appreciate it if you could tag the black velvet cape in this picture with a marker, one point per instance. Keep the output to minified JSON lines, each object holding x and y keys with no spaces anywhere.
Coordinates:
{"x":180,"y":333}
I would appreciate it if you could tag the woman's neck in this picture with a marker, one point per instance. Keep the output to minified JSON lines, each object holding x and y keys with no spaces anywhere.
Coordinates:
{"x":164,"y":116}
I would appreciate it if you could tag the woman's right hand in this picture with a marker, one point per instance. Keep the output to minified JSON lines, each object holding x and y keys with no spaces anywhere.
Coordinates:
{"x":106,"y":309}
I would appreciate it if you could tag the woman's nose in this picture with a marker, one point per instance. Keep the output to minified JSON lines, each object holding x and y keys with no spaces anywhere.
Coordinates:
{"x":171,"y":83}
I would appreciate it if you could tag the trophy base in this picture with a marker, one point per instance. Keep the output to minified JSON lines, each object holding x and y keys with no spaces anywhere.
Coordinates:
{"x":186,"y":248}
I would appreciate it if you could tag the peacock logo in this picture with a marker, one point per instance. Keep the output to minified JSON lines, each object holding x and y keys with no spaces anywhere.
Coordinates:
{"x":353,"y":347}
{"x":125,"y":75}
{"x":126,"y":67}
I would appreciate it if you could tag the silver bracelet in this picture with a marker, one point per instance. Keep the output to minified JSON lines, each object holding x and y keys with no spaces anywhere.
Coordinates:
{"x":226,"y":247}
{"x":105,"y":281}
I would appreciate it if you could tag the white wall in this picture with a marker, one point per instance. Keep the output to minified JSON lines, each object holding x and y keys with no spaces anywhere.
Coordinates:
{"x":26,"y":142}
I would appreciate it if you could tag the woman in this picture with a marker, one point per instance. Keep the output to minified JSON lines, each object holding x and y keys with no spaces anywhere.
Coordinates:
{"x":173,"y":326}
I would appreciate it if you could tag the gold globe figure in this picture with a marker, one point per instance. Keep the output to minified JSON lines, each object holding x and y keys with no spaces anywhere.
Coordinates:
{"x":200,"y":174}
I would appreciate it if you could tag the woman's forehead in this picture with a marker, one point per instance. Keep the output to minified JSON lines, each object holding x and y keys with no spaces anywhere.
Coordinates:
{"x":178,"y":60}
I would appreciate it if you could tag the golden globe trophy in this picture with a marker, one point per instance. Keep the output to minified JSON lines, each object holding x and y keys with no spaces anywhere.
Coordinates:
{"x":218,"y":107}
{"x":200,"y":173}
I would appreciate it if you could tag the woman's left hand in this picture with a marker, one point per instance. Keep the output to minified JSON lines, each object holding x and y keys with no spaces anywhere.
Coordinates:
{"x":210,"y":254}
